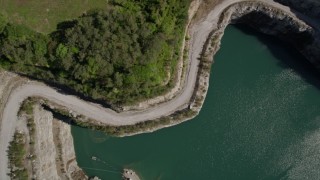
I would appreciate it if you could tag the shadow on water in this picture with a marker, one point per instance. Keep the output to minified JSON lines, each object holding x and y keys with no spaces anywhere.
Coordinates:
{"x":289,"y":56}
{"x":300,"y":11}
{"x":223,"y":144}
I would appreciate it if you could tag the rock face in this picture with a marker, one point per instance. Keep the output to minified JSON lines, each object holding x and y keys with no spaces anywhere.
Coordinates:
{"x":308,"y":7}
{"x":274,"y":21}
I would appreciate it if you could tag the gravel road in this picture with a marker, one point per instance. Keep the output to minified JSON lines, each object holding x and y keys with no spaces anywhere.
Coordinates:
{"x":199,"y":33}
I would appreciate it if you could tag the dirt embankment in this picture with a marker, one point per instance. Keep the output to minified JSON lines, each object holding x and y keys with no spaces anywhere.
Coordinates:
{"x":49,"y":149}
{"x":54,"y":149}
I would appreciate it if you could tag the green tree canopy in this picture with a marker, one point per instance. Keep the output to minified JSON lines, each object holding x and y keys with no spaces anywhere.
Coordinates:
{"x":121,"y":54}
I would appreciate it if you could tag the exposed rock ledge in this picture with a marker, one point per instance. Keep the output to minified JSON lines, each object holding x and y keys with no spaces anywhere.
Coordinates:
{"x":302,"y":36}
{"x":308,"y":7}
{"x":265,"y":18}
{"x":273,"y":21}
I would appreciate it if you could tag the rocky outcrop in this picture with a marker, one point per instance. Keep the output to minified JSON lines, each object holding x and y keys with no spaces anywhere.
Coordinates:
{"x":307,"y":7}
{"x":273,"y":21}
{"x":265,"y":18}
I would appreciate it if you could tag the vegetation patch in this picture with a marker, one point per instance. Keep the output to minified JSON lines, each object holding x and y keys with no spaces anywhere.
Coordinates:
{"x":17,"y":157}
{"x":120,"y":55}
{"x":27,"y":107}
{"x":26,"y":110}
{"x":145,"y":126}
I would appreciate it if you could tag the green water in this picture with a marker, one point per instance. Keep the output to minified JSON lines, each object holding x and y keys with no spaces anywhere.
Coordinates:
{"x":260,"y":120}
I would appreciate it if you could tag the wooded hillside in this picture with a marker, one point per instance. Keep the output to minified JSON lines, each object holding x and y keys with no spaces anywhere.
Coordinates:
{"x":121,"y":55}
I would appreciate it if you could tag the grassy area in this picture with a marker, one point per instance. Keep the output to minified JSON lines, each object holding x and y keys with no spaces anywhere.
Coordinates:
{"x":27,"y":107}
{"x":21,"y":151}
{"x":17,"y":157}
{"x":44,"y":15}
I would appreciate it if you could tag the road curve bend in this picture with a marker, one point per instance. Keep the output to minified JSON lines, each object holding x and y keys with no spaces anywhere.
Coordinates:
{"x":199,"y":33}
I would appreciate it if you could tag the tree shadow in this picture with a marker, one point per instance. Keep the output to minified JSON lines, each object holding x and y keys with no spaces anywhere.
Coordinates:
{"x":63,"y":89}
{"x":289,"y":58}
{"x":61,"y":117}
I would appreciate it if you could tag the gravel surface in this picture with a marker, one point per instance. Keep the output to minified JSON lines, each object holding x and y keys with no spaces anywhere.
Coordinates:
{"x":199,"y":32}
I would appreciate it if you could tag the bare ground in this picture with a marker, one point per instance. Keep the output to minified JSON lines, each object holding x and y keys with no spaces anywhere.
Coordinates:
{"x":54,"y":148}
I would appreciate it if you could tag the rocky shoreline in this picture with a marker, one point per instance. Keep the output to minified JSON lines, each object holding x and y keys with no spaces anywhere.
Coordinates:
{"x":260,"y":15}
{"x":273,"y":21}
{"x":266,"y":19}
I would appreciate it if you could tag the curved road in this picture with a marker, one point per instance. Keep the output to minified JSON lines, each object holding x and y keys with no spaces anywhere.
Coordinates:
{"x":199,"y":33}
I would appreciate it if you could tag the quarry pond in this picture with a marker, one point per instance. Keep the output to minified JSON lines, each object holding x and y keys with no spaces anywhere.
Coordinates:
{"x":260,"y":120}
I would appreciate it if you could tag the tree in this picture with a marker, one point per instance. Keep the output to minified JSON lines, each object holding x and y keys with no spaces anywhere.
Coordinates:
{"x":120,"y":55}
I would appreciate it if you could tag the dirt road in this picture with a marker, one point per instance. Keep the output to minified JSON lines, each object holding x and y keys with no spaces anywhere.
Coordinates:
{"x":199,"y":33}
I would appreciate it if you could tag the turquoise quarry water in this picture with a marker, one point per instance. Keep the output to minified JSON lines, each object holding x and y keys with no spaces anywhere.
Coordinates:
{"x":260,"y":120}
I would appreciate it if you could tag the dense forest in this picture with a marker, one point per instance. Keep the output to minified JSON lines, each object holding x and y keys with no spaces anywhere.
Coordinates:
{"x":120,"y":55}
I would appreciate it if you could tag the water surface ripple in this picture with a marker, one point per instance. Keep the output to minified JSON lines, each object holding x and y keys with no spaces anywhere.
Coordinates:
{"x":260,"y":120}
